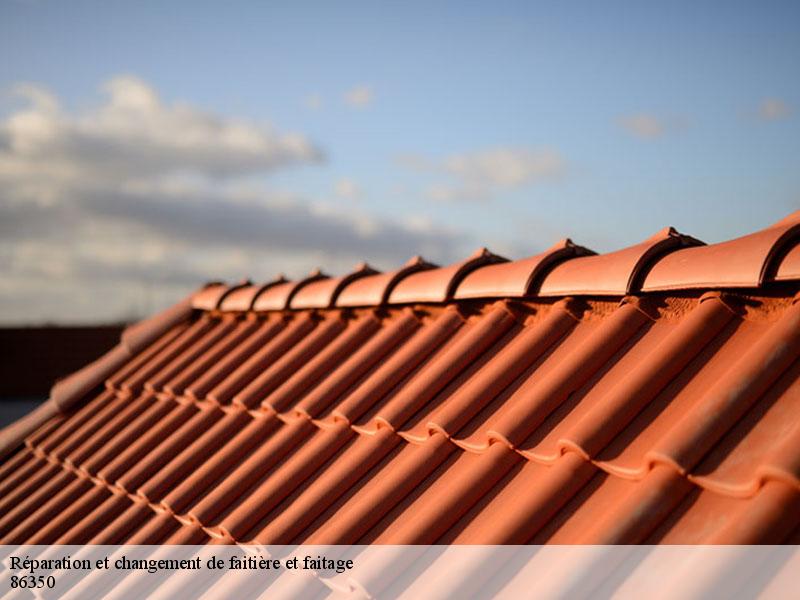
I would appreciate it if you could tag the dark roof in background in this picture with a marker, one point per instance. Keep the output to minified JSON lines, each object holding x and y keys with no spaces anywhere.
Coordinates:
{"x":645,"y":395}
{"x":32,"y":358}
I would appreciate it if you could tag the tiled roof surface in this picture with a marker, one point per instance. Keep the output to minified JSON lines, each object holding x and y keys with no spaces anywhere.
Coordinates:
{"x":646,"y":395}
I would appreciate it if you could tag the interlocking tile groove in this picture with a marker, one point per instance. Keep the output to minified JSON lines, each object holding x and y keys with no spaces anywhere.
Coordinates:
{"x":248,"y":472}
{"x":266,"y":495}
{"x":560,"y":398}
{"x":632,"y":393}
{"x":257,"y":389}
{"x":440,"y":370}
{"x":532,"y":406}
{"x":398,"y":367}
{"x":184,"y":342}
{"x":749,"y":456}
{"x":502,"y":369}
{"x":257,"y":339}
{"x":236,"y":333}
{"x":324,"y":361}
{"x":191,"y":457}
{"x":134,"y":453}
{"x":358,"y":364}
{"x":722,"y":405}
{"x":229,"y":454}
{"x":266,"y":355}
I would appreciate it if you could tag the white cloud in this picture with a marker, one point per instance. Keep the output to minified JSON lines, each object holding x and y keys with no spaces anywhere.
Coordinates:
{"x":479,"y":175}
{"x":347,"y":189}
{"x":135,"y":134}
{"x":360,"y":96}
{"x":773,"y":109}
{"x":124,"y":207}
{"x":506,"y":167}
{"x":644,"y":125}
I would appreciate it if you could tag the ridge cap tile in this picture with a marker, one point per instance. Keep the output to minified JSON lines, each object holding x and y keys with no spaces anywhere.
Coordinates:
{"x":748,"y":261}
{"x":242,"y":299}
{"x":628,"y":419}
{"x":439,"y":285}
{"x":789,"y":266}
{"x":212,"y":298}
{"x":614,"y":273}
{"x":374,"y":290}
{"x":279,"y":296}
{"x":208,"y":297}
{"x":322,"y":293}
{"x":519,"y":277}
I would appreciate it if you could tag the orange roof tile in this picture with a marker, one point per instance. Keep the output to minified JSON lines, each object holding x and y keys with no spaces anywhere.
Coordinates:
{"x":646,"y":395}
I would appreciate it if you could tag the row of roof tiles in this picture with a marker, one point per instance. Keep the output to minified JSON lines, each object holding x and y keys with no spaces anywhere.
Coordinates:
{"x":667,"y":261}
{"x":622,"y":424}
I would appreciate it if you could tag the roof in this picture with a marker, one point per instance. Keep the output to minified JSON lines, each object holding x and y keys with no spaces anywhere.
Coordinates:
{"x":645,"y":395}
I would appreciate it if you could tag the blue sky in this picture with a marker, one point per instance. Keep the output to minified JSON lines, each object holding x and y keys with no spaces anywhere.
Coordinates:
{"x":434,"y":127}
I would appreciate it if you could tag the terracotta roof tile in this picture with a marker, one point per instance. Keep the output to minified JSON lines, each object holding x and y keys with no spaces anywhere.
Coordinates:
{"x":789,"y":267}
{"x":517,"y":278}
{"x":616,"y":273}
{"x":557,"y":399}
{"x":214,"y":295}
{"x":439,"y":285}
{"x":278,"y":297}
{"x":242,"y":298}
{"x":743,"y":262}
{"x":374,"y":290}
{"x":323,"y":292}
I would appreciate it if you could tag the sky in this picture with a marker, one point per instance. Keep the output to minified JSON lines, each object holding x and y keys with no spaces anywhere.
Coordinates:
{"x":148,"y":147}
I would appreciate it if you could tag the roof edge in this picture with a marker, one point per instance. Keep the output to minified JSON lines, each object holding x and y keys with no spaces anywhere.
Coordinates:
{"x":67,"y":392}
{"x":12,"y":436}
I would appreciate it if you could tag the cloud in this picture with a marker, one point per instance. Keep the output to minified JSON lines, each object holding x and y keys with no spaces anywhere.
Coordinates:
{"x":360,"y":96}
{"x":135,"y":134}
{"x":506,"y":167}
{"x":644,"y":125}
{"x":773,"y":109}
{"x":347,"y":189}
{"x":477,"y":176}
{"x":123,"y":208}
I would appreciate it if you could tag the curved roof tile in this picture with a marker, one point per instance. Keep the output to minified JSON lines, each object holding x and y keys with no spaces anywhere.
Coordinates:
{"x":323,"y":292}
{"x":789,"y":267}
{"x":210,"y":296}
{"x":242,"y":299}
{"x":374,"y":290}
{"x":279,"y":296}
{"x":743,"y":262}
{"x":616,"y":273}
{"x":668,"y":419}
{"x":439,"y":285}
{"x":519,"y":277}
{"x":668,"y":260}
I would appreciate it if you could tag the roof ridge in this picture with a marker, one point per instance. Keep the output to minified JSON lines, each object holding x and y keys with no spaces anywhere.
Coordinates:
{"x":666,"y":261}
